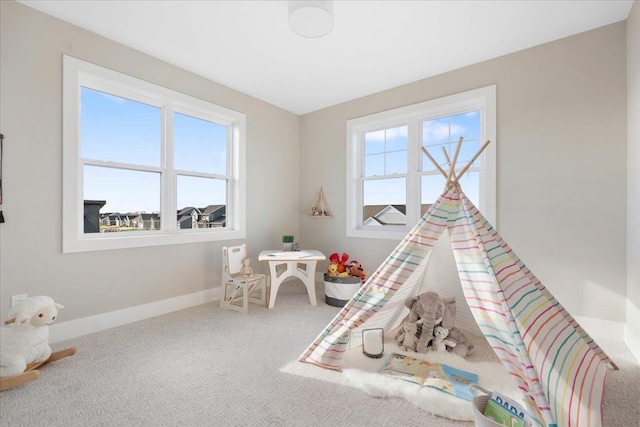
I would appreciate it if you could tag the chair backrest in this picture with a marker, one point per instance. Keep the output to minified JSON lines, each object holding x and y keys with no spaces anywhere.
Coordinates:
{"x":232,"y":257}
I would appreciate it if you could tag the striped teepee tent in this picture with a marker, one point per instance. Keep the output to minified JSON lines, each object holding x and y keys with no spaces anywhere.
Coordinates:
{"x":558,"y":367}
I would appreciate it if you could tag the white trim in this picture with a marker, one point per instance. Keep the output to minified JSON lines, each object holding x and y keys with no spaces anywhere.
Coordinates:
{"x":78,"y":73}
{"x":607,"y":330}
{"x":633,"y":342}
{"x":88,"y":325}
{"x":483,"y":99}
{"x":600,"y":329}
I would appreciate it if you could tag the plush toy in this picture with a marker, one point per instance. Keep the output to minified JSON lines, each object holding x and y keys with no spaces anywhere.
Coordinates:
{"x":26,"y":340}
{"x":463,"y":346}
{"x":407,"y":339}
{"x":355,"y":270}
{"x":332,"y":269}
{"x":340,"y":260}
{"x":440,"y":342}
{"x":246,"y":271}
{"x":433,"y":310}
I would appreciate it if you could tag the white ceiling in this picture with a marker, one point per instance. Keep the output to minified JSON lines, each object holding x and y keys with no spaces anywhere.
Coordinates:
{"x":374,"y":45}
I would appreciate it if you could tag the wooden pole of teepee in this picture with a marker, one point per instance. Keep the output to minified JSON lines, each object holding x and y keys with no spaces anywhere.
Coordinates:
{"x":446,"y":156}
{"x":452,"y":166}
{"x":473,"y":159}
{"x":424,"y":150}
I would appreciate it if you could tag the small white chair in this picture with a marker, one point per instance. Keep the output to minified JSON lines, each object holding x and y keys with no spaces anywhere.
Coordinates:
{"x":238,"y":289}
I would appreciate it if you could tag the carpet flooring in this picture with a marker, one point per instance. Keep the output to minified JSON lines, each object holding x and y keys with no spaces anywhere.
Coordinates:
{"x":204,"y":366}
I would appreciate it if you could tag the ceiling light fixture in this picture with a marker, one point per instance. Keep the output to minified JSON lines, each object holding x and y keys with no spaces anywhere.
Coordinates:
{"x":311,"y":19}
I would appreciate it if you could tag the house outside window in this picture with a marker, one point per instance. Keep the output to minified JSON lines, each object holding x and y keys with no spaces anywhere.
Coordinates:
{"x":151,"y":155}
{"x":391,"y":182}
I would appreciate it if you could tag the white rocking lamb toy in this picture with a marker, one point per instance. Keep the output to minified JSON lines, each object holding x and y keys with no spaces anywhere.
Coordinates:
{"x":24,"y":344}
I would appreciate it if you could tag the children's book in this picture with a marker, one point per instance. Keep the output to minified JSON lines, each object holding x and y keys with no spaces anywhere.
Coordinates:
{"x":503,"y":410}
{"x":427,"y":374}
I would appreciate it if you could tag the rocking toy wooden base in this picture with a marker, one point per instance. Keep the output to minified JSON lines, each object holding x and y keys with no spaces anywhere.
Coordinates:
{"x":31,"y":373}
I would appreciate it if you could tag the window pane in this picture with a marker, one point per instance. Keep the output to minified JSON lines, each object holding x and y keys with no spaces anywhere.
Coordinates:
{"x":118,"y":129}
{"x":202,"y":202}
{"x":431,"y":189}
{"x":396,"y":138}
{"x":374,"y":142}
{"x":470,"y":184}
{"x":131,"y":199}
{"x":385,"y":202}
{"x":466,"y":125}
{"x":374,"y":165}
{"x":433,"y":185}
{"x":200,"y":145}
{"x":436,"y":152}
{"x":435,"y":131}
{"x":396,"y":162}
{"x":468,"y":150}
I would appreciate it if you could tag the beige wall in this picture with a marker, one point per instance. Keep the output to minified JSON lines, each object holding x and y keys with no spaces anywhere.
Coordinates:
{"x":562,"y":128}
{"x":561,"y":149}
{"x":633,"y":175}
{"x":31,"y":260}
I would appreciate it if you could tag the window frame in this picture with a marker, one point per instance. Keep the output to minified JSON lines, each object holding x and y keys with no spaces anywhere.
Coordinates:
{"x":482,"y":99}
{"x":77,"y":74}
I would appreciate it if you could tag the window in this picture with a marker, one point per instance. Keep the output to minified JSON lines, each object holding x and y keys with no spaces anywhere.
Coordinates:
{"x":145,"y":166}
{"x":392,"y":183}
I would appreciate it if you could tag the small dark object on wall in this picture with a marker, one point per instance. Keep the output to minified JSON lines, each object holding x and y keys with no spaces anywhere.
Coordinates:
{"x":1,"y":217}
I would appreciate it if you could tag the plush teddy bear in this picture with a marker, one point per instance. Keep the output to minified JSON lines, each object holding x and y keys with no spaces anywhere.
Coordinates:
{"x":332,"y":269}
{"x":246,"y":271}
{"x":26,"y":340}
{"x":440,"y":342}
{"x":407,"y":340}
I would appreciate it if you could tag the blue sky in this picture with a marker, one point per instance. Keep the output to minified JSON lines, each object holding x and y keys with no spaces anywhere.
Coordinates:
{"x":119,"y":130}
{"x":386,"y":154}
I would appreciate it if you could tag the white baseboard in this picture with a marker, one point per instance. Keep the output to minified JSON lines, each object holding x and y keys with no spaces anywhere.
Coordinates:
{"x":597,"y":328}
{"x":633,"y":342}
{"x":600,"y":329}
{"x":87,"y":325}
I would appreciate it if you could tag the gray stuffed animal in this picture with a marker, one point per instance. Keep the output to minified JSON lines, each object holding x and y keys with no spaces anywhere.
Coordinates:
{"x":430,"y":309}
{"x":463,"y":346}
{"x":408,"y":339}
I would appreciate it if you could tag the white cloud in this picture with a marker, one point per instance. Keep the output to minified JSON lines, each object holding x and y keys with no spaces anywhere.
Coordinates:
{"x":439,"y":130}
{"x":392,"y":133}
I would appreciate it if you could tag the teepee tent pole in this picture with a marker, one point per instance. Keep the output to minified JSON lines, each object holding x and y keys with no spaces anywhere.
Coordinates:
{"x":452,"y":166}
{"x":424,"y":150}
{"x":473,"y":159}
{"x":446,"y":156}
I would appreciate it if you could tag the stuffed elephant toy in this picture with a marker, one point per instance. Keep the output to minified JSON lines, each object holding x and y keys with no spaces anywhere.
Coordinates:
{"x":430,"y":309}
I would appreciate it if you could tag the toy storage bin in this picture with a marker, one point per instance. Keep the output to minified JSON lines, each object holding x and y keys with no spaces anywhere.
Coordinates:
{"x":339,"y":290}
{"x":480,"y":404}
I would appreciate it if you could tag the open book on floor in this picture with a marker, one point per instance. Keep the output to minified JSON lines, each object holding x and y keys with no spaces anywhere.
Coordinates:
{"x":427,"y":374}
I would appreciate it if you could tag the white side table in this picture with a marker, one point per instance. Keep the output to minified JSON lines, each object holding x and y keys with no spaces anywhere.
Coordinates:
{"x":284,"y":264}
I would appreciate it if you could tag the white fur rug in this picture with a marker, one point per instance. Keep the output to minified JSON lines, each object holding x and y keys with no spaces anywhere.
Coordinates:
{"x":361,"y":372}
